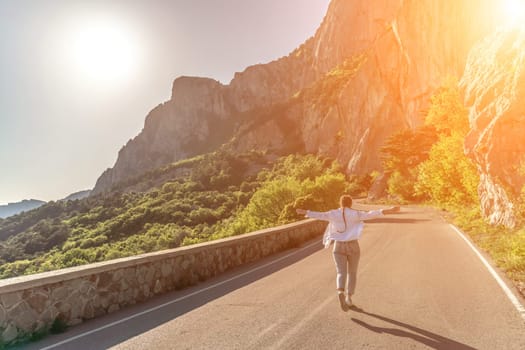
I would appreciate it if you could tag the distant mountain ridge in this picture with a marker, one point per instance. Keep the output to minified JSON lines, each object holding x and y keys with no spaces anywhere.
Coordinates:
{"x":11,"y":209}
{"x":77,"y":195}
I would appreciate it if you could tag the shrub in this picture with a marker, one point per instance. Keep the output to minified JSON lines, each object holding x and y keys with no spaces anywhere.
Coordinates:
{"x":448,"y":177}
{"x":290,"y":185}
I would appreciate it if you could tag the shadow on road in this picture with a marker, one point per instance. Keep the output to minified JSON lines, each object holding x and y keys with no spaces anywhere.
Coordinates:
{"x":422,"y":336}
{"x":395,"y":221}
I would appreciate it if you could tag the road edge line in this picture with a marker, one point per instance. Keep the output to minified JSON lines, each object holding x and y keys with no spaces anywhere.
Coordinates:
{"x":155,"y":308}
{"x":508,"y":292}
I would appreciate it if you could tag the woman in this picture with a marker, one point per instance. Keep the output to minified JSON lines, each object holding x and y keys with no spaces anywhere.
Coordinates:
{"x":345,"y":227}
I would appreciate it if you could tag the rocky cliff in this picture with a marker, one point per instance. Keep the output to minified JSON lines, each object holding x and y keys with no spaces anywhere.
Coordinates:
{"x":368,"y":72}
{"x":494,"y":89}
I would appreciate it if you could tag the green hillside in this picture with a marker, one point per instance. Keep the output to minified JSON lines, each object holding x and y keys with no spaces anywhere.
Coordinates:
{"x":207,"y":197}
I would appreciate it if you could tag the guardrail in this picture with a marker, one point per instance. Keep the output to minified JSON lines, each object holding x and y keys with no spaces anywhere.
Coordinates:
{"x":33,"y":304}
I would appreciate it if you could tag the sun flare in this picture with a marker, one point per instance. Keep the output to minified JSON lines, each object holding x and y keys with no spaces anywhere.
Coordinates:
{"x":102,"y":50}
{"x":514,"y":12}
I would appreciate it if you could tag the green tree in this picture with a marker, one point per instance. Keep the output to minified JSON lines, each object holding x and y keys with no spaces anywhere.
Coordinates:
{"x":429,"y":163}
{"x":401,"y":155}
{"x":447,"y":113}
{"x":448,"y":177}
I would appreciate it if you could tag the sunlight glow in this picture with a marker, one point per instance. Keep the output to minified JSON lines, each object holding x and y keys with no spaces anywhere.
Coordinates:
{"x":102,"y":51}
{"x":514,"y":11}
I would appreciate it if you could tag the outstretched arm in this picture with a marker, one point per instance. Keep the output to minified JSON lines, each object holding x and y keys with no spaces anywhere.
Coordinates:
{"x":314,"y":214}
{"x":391,"y":210}
{"x":372,"y":214}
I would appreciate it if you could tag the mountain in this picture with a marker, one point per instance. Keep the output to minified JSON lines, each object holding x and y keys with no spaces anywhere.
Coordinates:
{"x":367,"y":72}
{"x":77,"y":195}
{"x":18,"y":207}
{"x":494,"y":90}
{"x":29,"y":204}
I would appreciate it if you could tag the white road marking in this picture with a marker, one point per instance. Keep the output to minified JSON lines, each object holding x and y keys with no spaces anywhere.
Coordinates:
{"x":513,"y":299}
{"x":176,"y":300}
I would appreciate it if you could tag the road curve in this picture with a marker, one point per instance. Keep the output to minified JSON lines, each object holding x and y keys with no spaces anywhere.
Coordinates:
{"x":420,"y":286}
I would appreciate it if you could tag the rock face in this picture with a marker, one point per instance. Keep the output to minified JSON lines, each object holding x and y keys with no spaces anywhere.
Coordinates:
{"x":177,"y":129}
{"x":368,"y":72}
{"x":404,"y":50}
{"x":494,"y":90}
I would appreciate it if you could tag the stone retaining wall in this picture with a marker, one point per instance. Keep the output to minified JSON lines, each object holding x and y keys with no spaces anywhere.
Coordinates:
{"x":32,"y":304}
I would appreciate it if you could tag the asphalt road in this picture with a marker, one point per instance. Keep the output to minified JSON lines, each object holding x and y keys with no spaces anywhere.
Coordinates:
{"x":420,"y":286}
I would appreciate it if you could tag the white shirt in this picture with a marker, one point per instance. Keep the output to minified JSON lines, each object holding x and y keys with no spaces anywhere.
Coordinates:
{"x":336,"y":230}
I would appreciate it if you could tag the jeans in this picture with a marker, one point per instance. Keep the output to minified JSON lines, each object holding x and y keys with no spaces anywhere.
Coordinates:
{"x":346,"y":258}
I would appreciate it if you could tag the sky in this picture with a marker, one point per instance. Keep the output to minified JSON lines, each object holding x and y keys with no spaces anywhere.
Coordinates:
{"x":77,"y":78}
